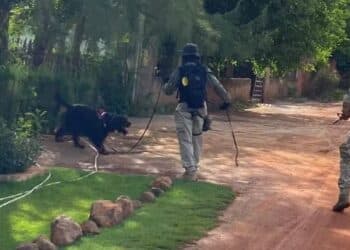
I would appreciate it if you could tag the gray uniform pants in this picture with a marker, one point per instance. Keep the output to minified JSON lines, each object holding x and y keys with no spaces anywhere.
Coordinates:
{"x":189,"y":133}
{"x":344,"y":178}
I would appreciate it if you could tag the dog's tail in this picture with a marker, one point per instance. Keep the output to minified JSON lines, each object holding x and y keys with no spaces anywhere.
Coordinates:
{"x":60,"y":101}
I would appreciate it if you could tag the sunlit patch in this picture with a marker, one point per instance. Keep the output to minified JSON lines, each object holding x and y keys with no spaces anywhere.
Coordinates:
{"x":132,"y":225}
{"x":344,"y":232}
{"x":138,"y":161}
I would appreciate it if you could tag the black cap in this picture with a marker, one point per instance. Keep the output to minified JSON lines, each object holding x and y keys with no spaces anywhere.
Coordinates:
{"x":190,"y":49}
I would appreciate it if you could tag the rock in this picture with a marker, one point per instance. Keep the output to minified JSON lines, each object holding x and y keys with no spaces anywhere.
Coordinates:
{"x":65,"y":231}
{"x":157,"y":191}
{"x":163,"y":183}
{"x":137,"y":204}
{"x":44,"y":243}
{"x":28,"y":246}
{"x":106,"y":213}
{"x":127,"y":205}
{"x":147,"y":197}
{"x":90,"y":227}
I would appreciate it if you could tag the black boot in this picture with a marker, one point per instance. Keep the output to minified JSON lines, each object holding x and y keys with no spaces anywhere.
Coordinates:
{"x":343,"y":201}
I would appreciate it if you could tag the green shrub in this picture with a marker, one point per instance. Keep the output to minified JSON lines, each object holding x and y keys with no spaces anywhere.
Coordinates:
{"x":292,"y":90}
{"x":324,"y":84}
{"x":17,"y":151}
{"x":112,"y":88}
{"x":32,"y":124}
{"x":24,"y":90}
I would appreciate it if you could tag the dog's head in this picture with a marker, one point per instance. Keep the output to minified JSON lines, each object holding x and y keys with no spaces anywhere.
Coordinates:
{"x":118,"y":123}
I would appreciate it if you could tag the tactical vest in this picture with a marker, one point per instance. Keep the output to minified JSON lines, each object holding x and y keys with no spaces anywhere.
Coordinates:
{"x":192,"y":85}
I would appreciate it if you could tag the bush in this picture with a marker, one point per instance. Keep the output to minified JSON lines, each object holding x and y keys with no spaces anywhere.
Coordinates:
{"x":32,"y":124}
{"x":324,"y":84}
{"x":114,"y":91}
{"x":17,"y":151}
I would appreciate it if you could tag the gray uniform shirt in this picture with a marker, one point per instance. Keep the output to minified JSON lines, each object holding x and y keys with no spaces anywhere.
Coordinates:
{"x":172,"y":86}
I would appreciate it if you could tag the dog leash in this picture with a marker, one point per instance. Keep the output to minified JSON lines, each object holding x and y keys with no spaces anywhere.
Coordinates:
{"x":147,"y":126}
{"x":150,"y":120}
{"x":235,"y":144}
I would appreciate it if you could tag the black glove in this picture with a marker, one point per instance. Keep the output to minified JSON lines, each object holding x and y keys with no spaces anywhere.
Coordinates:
{"x":225,"y":106}
{"x":206,"y":124}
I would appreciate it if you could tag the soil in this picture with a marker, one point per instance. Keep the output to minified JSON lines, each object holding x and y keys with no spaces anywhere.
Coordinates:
{"x":286,"y":183}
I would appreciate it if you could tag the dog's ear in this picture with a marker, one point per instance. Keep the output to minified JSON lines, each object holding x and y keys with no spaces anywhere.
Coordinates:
{"x":110,"y":122}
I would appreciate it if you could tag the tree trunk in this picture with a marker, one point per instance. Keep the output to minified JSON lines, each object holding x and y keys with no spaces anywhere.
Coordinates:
{"x":4,"y":26}
{"x":60,"y":56}
{"x":139,"y":44}
{"x":78,"y":39}
{"x":42,"y":37}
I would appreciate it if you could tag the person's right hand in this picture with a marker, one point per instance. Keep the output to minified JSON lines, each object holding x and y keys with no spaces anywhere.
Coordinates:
{"x":225,"y":106}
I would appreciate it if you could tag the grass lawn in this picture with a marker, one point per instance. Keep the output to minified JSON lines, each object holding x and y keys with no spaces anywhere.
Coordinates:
{"x":183,"y":214}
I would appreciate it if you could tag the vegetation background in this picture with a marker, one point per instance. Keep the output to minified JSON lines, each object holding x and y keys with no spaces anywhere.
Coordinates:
{"x":99,"y":52}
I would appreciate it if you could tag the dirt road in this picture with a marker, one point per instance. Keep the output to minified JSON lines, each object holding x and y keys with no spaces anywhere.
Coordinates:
{"x":286,"y":182}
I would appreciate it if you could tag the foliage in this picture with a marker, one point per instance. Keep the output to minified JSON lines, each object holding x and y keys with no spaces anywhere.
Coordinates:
{"x":284,"y":35}
{"x":32,"y":124}
{"x":181,"y":215}
{"x":17,"y":151}
{"x":115,"y":93}
{"x":97,"y":52}
{"x":342,"y":58}
{"x":337,"y":95}
{"x":242,"y":105}
{"x":223,"y":6}
{"x":324,"y":84}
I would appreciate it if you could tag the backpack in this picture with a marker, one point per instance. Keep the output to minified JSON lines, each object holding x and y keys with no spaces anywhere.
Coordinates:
{"x":192,"y":85}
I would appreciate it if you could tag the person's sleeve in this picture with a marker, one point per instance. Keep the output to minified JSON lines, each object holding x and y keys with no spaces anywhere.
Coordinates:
{"x":171,"y":86}
{"x":218,"y":88}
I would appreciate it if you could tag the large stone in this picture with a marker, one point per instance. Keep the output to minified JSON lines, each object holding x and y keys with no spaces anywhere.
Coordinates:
{"x":147,"y":197}
{"x":90,"y":227}
{"x":163,"y":183}
{"x":28,"y":246}
{"x":64,"y":231}
{"x":157,"y":191}
{"x":106,"y":213}
{"x":127,"y":205}
{"x":44,"y":243}
{"x":137,"y":204}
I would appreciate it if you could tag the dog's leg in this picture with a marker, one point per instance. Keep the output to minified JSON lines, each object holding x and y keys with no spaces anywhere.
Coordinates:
{"x":102,"y":150}
{"x":76,"y":141}
{"x":59,"y":133}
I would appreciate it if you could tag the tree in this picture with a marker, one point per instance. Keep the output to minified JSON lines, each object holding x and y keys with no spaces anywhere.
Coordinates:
{"x":283,"y":34}
{"x":221,"y":7}
{"x":5,"y":8}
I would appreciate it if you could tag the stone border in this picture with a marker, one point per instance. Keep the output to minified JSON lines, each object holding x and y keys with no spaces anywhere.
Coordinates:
{"x":28,"y":174}
{"x":64,"y":231}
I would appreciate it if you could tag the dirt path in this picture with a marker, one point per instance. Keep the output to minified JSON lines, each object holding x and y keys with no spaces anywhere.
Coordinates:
{"x":286,"y":182}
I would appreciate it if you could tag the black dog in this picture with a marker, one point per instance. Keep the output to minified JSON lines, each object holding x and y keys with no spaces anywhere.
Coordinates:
{"x":81,"y":120}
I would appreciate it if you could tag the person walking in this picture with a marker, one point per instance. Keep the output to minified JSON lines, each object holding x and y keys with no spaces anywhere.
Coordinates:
{"x":344,"y":177}
{"x":190,"y":80}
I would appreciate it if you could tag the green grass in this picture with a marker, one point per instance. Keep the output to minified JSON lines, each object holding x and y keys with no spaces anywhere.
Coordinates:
{"x":182,"y":215}
{"x":24,"y":220}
